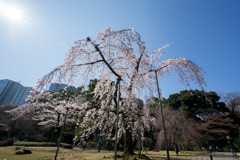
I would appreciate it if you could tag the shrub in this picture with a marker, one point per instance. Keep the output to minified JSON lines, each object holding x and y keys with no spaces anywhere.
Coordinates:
{"x":109,"y":146}
{"x":92,"y":145}
{"x":18,"y":148}
{"x":226,"y":149}
{"x":19,"y":151}
{"x":67,"y":146}
{"x":23,"y":151}
{"x":37,"y":144}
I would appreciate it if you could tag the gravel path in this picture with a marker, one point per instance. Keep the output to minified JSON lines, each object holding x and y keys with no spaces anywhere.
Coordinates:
{"x":215,"y":156}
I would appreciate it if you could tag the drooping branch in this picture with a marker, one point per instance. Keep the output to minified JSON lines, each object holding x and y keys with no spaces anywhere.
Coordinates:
{"x":103,"y":58}
{"x":90,"y":63}
{"x":185,"y":69}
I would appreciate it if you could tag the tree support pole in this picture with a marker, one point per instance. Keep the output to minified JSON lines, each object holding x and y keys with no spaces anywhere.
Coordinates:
{"x":59,"y":140}
{"x":163,"y":123}
{"x":116,"y":129}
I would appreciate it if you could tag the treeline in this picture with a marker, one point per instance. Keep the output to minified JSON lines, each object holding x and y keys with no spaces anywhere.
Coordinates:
{"x":196,"y":119}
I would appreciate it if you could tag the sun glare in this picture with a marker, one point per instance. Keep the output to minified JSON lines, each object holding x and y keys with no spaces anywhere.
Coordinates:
{"x":11,"y":12}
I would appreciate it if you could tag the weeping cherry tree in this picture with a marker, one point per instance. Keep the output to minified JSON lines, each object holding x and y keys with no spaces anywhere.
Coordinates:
{"x":118,"y":57}
{"x":49,"y":109}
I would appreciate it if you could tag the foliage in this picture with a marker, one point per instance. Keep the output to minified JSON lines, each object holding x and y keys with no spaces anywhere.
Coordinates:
{"x":24,"y":128}
{"x":153,"y":102}
{"x":20,"y":151}
{"x":4,"y":117}
{"x":23,"y":151}
{"x":198,"y":104}
{"x":214,"y":117}
{"x":18,"y":148}
{"x":217,"y":128}
{"x":237,"y":140}
{"x":226,"y":148}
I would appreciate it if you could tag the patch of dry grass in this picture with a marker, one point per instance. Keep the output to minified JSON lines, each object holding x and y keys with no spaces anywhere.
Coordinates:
{"x":48,"y":153}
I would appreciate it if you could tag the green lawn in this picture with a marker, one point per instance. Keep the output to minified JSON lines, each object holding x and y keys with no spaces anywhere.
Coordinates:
{"x":48,"y":153}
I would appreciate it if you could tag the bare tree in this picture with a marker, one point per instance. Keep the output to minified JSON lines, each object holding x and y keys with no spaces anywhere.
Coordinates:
{"x":180,"y":129}
{"x":232,"y":100}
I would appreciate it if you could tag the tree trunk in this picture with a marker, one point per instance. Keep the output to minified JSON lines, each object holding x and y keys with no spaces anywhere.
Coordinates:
{"x":56,"y":131}
{"x":139,"y":142}
{"x":128,"y":144}
{"x":55,"y":134}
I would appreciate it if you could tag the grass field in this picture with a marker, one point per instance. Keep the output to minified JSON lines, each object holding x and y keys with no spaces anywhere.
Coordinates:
{"x":48,"y":153}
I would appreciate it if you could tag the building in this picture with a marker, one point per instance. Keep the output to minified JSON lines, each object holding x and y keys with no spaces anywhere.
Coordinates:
{"x":14,"y":93}
{"x":21,"y":96}
{"x":8,"y":89}
{"x":54,"y":87}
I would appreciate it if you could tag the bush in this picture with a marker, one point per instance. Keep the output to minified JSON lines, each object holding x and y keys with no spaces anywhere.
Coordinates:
{"x":18,"y":148}
{"x":226,"y":149}
{"x":37,"y":144}
{"x":236,"y":142}
{"x":67,"y":146}
{"x":7,"y":143}
{"x":23,"y":151}
{"x":47,"y":144}
{"x":19,"y":151}
{"x":109,"y":146}
{"x":92,"y":145}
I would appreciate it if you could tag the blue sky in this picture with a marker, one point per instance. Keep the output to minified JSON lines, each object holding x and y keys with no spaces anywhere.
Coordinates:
{"x":204,"y":31}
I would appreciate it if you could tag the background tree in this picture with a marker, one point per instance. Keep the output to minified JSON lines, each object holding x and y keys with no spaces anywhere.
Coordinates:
{"x":214,"y":117}
{"x":153,"y":102}
{"x":198,"y":104}
{"x":237,"y":140}
{"x":49,"y":109}
{"x":181,"y":129}
{"x":4,"y":117}
{"x":232,"y":100}
{"x":217,"y":128}
{"x":23,"y":128}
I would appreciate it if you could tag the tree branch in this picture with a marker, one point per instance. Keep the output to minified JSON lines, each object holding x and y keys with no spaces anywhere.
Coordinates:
{"x":89,"y":63}
{"x":103,"y":58}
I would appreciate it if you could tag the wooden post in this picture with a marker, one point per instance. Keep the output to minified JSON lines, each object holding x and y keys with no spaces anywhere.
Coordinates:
{"x":59,"y":140}
{"x":116,"y":129}
{"x":161,"y":109}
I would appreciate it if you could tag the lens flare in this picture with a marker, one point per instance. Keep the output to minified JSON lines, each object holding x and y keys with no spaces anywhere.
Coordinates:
{"x":11,"y":12}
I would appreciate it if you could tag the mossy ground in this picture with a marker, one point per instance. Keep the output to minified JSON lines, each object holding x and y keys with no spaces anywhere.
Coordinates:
{"x":48,"y":153}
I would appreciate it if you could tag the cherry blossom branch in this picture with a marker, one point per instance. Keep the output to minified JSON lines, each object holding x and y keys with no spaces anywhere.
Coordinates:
{"x":103,"y":58}
{"x":89,"y":63}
